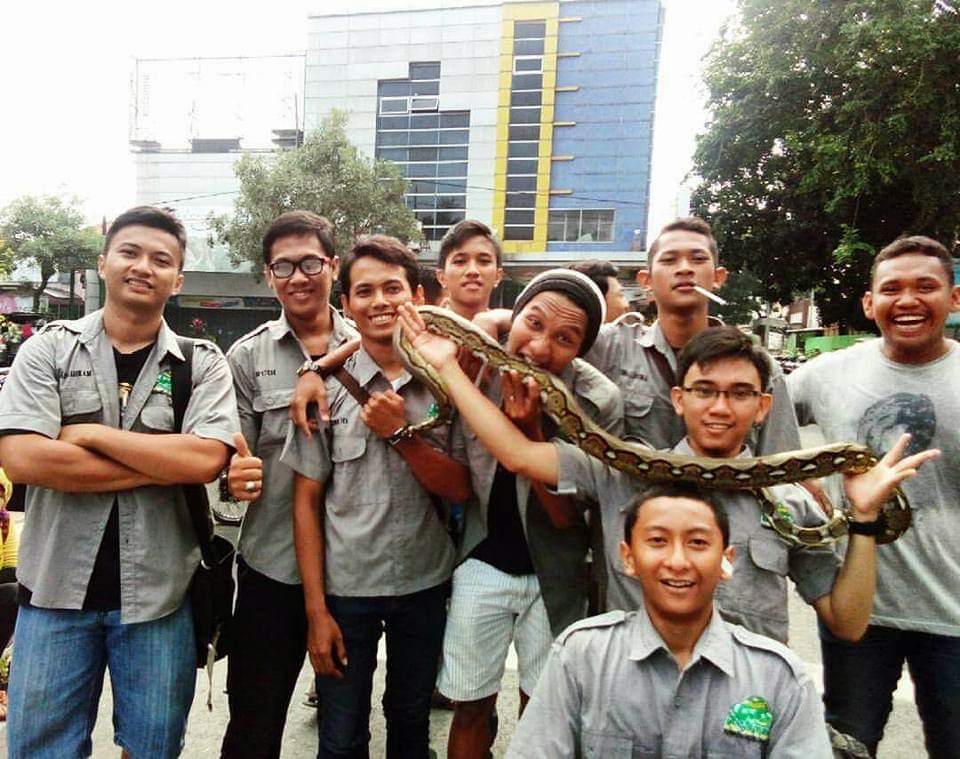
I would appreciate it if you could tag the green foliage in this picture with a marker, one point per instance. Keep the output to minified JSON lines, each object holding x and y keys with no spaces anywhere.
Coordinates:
{"x":327,"y":175}
{"x":49,"y":232}
{"x":742,"y":291}
{"x":834,"y":129}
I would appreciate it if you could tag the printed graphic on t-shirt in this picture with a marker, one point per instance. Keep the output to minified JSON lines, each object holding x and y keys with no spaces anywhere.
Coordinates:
{"x":886,"y":420}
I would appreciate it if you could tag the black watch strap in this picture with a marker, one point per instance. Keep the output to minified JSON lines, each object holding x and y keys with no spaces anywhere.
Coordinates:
{"x":873,"y":528}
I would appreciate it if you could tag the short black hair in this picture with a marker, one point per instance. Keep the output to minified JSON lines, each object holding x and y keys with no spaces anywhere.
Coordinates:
{"x":432,"y":290}
{"x":686,"y":224}
{"x":299,"y":223}
{"x":716,"y":343}
{"x":917,"y":244}
{"x":598,"y":271}
{"x":150,"y":216}
{"x":384,"y":248}
{"x":676,"y":490}
{"x":460,"y":233}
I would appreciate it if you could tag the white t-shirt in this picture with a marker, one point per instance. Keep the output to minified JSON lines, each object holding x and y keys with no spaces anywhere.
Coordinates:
{"x":858,"y":394}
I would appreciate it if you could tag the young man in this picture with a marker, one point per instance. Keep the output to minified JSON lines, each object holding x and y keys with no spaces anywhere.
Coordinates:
{"x":672,"y":678}
{"x":642,"y":360}
{"x":469,"y":267}
{"x":108,"y":551}
{"x":299,"y":264}
{"x":604,"y":276}
{"x":872,"y":392}
{"x":721,"y":396}
{"x":522,"y":572}
{"x":372,"y":549}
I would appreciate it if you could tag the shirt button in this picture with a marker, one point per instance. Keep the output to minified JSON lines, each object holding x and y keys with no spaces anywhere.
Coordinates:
{"x":676,"y":703}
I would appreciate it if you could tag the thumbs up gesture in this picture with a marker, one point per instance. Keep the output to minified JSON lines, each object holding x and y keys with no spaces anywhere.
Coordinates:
{"x":245,"y":477}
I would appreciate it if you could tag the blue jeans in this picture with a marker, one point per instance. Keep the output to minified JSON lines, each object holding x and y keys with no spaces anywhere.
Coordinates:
{"x":859,"y":680}
{"x":57,"y":676}
{"x":414,"y":628}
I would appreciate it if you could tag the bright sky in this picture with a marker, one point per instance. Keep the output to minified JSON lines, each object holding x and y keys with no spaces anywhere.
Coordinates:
{"x":65,"y":75}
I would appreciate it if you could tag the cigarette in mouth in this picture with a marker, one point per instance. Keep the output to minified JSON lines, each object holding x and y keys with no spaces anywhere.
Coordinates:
{"x":710,"y":295}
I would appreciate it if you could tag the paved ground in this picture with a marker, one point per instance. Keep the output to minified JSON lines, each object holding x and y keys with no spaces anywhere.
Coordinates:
{"x":903,"y":737}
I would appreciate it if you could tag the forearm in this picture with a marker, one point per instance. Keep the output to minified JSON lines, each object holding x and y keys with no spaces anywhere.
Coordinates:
{"x":58,"y":465}
{"x":435,"y":471}
{"x":174,"y":458}
{"x":850,"y":603}
{"x":536,"y":461}
{"x":309,"y":543}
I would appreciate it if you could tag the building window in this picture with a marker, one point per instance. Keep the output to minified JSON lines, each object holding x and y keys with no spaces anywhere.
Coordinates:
{"x":428,"y":144}
{"x":581,"y":225}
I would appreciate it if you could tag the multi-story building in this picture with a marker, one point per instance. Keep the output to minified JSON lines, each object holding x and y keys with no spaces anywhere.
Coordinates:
{"x":534,"y":116}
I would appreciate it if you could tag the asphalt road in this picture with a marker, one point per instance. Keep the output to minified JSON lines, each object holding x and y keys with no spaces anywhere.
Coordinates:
{"x":903,"y":736}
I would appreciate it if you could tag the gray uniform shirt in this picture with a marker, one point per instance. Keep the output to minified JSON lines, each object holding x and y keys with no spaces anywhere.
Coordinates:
{"x":557,"y":555}
{"x":858,"y":394}
{"x":624,"y":352}
{"x":611,"y":689}
{"x":383,"y":534}
{"x":66,"y":374}
{"x":756,"y":595}
{"x":264,"y":364}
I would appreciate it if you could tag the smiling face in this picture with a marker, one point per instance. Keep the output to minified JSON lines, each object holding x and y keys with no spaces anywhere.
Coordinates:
{"x":682,"y":260}
{"x":377,"y":288}
{"x":718,"y":428}
{"x":548,"y":332}
{"x":910,"y":299}
{"x":469,"y":275}
{"x":675,"y":551}
{"x":301,"y":296}
{"x":141,"y":268}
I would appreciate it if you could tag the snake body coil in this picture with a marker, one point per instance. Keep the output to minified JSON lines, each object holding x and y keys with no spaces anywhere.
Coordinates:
{"x":754,"y":474}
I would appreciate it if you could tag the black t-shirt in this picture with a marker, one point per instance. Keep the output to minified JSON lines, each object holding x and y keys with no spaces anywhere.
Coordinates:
{"x":103,"y":592}
{"x":505,"y":546}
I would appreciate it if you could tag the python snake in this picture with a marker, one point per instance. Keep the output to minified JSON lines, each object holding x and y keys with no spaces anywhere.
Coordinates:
{"x":755,"y":474}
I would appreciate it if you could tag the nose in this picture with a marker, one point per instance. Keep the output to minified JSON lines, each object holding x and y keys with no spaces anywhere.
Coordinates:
{"x":298,"y":275}
{"x":539,"y":349}
{"x":721,"y":404}
{"x":677,"y":558}
{"x":472,"y":267}
{"x":378,"y":297}
{"x":684,"y":264}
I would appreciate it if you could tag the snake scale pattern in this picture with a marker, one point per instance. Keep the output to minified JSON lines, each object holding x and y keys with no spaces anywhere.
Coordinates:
{"x":754,"y":474}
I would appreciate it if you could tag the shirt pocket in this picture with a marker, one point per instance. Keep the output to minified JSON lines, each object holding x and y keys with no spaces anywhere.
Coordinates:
{"x":637,"y":398}
{"x":273,"y":409}
{"x":157,"y":413}
{"x":770,"y":553}
{"x":608,"y":745}
{"x":355,"y":480}
{"x":80,"y":406}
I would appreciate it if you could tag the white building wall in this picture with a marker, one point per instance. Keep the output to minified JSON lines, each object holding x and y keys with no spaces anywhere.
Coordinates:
{"x":348,"y":54}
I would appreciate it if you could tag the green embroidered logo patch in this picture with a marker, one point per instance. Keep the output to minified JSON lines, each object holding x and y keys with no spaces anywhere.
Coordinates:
{"x":434,"y":411}
{"x":164,"y":383}
{"x":751,"y":718}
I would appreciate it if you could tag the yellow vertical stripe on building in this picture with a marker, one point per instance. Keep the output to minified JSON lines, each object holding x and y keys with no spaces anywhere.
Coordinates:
{"x":549,"y":12}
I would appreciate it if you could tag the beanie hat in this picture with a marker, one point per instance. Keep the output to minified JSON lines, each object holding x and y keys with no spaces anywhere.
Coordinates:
{"x":577,"y":287}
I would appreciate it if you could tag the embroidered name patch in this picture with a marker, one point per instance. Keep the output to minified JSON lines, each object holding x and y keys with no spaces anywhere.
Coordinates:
{"x":164,"y":383}
{"x":751,"y":718}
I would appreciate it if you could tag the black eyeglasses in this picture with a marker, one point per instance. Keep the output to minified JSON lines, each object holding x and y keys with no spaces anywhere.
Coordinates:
{"x":734,"y":395}
{"x":311,"y":266}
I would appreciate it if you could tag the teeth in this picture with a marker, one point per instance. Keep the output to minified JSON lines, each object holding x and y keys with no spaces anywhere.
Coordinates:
{"x":677,"y":583}
{"x":908,"y":319}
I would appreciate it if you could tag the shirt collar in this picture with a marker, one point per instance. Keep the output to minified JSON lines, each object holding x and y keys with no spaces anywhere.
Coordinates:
{"x":653,"y":336}
{"x":365,"y":369}
{"x":91,"y":327}
{"x":715,"y":643}
{"x":340,"y":331}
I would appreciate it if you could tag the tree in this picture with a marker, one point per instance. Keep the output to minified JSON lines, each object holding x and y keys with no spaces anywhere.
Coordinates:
{"x":742,"y":293}
{"x":49,"y":233}
{"x":327,"y":175}
{"x":834,"y":129}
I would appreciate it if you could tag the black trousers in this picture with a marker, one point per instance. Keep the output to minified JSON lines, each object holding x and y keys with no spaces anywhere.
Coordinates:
{"x":268,"y":645}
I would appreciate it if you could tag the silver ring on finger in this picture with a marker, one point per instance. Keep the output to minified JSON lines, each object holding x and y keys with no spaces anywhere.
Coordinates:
{"x":250,"y":487}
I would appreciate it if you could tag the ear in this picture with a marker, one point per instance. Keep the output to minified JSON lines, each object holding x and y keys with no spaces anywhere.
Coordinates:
{"x":345,"y":305}
{"x":100,"y":264}
{"x":626,"y":558}
{"x":418,"y":296}
{"x":335,"y":267}
{"x":643,"y":277}
{"x":719,"y":277}
{"x":442,"y":278}
{"x":726,"y":564}
{"x":676,"y":397}
{"x":955,"y":299}
{"x":766,"y":402}
{"x":867,"y":302}
{"x":499,"y":277}
{"x":179,"y":286}
{"x":268,"y":276}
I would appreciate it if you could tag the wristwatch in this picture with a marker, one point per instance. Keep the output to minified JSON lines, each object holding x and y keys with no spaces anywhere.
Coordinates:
{"x":872,"y":529}
{"x":312,"y":366}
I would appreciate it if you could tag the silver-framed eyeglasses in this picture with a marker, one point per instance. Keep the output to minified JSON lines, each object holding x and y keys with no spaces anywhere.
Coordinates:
{"x":734,"y":394}
{"x":311,"y":266}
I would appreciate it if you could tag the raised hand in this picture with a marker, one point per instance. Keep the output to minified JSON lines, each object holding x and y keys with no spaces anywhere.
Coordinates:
{"x":245,"y":476}
{"x":521,"y":402}
{"x":869,"y":491}
{"x":312,"y":389}
{"x":436,"y":350}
